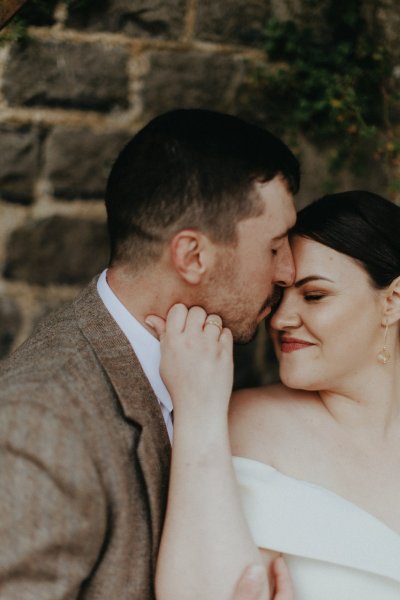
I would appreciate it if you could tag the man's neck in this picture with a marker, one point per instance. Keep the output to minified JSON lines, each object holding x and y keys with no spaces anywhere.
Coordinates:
{"x":144,"y":293}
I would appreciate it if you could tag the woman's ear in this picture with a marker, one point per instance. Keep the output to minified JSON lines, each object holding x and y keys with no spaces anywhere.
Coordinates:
{"x":191,"y":252}
{"x":391,"y":311}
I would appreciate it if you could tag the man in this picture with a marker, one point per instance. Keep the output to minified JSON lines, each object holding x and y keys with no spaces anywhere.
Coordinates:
{"x":199,"y":205}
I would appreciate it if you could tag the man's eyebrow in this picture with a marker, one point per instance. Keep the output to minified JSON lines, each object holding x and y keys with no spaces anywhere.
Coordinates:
{"x":301,"y":282}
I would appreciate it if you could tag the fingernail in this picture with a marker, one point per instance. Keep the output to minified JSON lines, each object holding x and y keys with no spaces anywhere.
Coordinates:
{"x":255,"y":573}
{"x":149,"y":322}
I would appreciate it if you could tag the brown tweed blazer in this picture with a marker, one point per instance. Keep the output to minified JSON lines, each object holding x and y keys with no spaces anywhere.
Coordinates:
{"x":84,"y":461}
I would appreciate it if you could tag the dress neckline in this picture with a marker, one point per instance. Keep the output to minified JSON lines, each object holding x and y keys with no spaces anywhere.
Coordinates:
{"x":321,"y":488}
{"x":303,"y":519}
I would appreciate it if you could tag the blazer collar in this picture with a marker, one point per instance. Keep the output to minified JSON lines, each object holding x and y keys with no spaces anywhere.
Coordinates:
{"x":138,"y":401}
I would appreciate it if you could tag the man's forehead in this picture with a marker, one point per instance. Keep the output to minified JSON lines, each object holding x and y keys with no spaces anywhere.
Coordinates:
{"x":275,"y":193}
{"x":279,"y":214}
{"x":282,"y":214}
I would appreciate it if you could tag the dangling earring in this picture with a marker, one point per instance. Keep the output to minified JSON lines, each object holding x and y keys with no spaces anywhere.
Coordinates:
{"x":384,"y":355}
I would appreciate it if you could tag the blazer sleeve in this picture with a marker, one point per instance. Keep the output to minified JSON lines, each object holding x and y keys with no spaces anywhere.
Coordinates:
{"x":52,"y":505}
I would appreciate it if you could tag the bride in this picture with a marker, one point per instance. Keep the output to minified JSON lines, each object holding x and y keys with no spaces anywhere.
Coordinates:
{"x":316,"y":470}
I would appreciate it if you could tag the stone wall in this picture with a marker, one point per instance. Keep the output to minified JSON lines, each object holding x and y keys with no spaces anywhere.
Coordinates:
{"x":74,"y":92}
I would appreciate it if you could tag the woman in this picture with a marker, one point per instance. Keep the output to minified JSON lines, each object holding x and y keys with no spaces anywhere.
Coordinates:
{"x":317,"y":458}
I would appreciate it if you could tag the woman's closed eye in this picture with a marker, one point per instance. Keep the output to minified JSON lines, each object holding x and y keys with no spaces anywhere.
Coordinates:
{"x":313,"y":296}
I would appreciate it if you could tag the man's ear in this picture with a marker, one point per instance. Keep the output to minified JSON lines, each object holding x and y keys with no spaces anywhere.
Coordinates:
{"x":191,"y":254}
{"x":391,"y":311}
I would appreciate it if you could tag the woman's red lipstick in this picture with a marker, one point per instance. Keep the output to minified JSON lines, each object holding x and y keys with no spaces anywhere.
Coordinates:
{"x":289,"y":344}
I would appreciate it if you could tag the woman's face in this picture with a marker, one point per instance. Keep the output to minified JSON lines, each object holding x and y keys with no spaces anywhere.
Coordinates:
{"x":328,"y":327}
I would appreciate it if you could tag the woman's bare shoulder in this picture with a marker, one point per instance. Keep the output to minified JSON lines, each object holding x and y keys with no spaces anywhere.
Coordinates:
{"x":261,"y":418}
{"x":269,"y":398}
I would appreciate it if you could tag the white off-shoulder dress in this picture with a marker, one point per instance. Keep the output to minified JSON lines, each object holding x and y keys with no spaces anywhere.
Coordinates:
{"x":334,"y":549}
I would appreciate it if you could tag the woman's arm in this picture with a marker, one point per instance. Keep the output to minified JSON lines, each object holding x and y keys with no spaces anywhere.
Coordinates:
{"x":206,"y":542}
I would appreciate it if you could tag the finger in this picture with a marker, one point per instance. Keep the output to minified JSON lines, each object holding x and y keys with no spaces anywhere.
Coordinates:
{"x":195,"y":320}
{"x":158,"y":324}
{"x":176,"y":318}
{"x":226,"y":337}
{"x":251,"y":584}
{"x":213,"y":326}
{"x":284,"y":589}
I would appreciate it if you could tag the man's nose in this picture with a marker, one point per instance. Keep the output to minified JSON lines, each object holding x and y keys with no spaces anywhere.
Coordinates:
{"x":285,"y":273}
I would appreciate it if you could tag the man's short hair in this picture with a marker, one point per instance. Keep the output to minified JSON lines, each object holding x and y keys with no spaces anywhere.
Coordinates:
{"x":191,"y":169}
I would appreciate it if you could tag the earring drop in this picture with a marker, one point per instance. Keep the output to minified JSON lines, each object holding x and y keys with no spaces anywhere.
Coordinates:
{"x":384,"y":355}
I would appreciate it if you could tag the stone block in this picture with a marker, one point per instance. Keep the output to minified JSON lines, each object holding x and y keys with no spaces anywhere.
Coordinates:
{"x":139,"y":18}
{"x":313,"y":14}
{"x":232,"y":21}
{"x":252,"y":99}
{"x":10,"y":321}
{"x":38,"y":13}
{"x":316,"y":179}
{"x":77,"y":162}
{"x":87,"y":76}
{"x":57,"y":250}
{"x":19,"y":155}
{"x":190,"y":80}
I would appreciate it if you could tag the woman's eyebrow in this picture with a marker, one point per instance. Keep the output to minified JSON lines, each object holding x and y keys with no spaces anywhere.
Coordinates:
{"x":301,"y":282}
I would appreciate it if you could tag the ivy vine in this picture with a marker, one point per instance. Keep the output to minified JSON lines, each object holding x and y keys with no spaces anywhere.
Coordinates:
{"x":335,"y":84}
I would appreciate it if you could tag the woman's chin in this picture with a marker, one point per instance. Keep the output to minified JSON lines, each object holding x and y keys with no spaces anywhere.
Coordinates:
{"x":298,"y":380}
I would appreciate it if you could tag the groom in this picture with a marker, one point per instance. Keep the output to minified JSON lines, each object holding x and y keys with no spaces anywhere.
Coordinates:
{"x":199,"y":205}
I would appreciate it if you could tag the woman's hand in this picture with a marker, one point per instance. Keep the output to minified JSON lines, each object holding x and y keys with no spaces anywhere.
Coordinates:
{"x":252,"y":582}
{"x":196,"y":360}
{"x":206,"y":542}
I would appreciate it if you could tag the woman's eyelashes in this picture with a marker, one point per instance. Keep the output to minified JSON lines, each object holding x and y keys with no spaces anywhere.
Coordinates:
{"x":313,"y":296}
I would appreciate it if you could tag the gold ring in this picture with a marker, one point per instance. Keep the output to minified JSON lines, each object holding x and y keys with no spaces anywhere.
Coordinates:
{"x":212,"y":321}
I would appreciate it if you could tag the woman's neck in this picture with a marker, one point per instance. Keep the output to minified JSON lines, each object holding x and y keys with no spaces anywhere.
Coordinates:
{"x":369,"y":401}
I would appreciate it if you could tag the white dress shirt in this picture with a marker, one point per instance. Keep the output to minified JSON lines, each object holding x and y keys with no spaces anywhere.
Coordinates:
{"x":145,"y":346}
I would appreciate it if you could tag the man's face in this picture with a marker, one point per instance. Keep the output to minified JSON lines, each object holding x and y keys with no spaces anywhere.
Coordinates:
{"x":241,"y":287}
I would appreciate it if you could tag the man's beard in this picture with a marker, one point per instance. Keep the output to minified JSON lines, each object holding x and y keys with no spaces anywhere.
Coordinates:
{"x":244,"y":335}
{"x":245,"y":324}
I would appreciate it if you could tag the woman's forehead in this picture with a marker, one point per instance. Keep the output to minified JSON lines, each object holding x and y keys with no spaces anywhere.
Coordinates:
{"x":315,"y":259}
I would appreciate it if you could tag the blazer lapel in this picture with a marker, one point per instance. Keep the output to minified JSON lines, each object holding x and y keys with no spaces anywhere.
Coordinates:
{"x":136,"y":396}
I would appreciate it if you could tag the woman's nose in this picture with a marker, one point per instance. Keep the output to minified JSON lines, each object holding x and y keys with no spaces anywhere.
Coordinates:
{"x":286,"y":315}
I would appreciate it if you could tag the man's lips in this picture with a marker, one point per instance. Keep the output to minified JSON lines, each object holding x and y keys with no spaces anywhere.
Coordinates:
{"x":292,"y":344}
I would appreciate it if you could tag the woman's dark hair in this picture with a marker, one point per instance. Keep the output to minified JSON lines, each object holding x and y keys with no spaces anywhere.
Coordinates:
{"x":362,"y":225}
